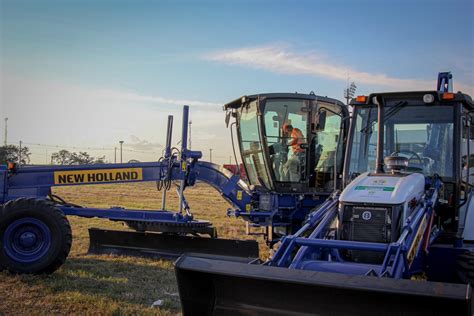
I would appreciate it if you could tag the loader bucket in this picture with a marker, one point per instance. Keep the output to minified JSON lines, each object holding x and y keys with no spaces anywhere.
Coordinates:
{"x":217,"y":287}
{"x":167,"y":246}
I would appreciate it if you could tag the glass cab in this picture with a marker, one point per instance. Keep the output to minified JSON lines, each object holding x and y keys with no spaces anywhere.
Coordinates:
{"x":291,"y":142}
{"x":433,"y":133}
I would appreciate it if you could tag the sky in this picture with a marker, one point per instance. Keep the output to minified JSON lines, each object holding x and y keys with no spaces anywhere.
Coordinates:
{"x":83,"y":75}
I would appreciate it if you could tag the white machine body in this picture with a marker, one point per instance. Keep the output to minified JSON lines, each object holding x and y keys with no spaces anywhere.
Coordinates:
{"x":386,"y":189}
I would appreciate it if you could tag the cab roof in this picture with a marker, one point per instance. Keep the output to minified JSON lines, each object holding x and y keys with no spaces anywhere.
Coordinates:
{"x":417,"y":95}
{"x":238,"y":103}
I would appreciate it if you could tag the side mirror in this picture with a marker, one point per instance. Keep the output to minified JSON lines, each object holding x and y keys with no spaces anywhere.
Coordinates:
{"x":227,"y":118}
{"x":320,"y":121}
{"x":471,"y":123}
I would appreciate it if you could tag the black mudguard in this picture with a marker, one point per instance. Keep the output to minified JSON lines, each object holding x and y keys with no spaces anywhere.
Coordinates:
{"x":218,"y":287}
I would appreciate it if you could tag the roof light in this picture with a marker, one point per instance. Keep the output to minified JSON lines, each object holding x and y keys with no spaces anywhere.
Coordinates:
{"x":428,"y":98}
{"x":448,"y":96}
{"x":11,"y":165}
{"x":361,"y":98}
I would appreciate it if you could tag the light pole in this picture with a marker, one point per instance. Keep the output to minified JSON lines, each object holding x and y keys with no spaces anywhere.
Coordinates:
{"x":6,"y":130}
{"x":210,"y":154}
{"x":121,"y":143}
{"x":115,"y":154}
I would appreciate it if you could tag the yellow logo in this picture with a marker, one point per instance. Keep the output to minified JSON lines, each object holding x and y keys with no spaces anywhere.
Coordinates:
{"x":239,"y":195}
{"x":416,"y":242}
{"x":98,"y":176}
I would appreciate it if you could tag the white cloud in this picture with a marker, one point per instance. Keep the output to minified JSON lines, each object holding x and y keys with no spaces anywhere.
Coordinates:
{"x":134,"y":97}
{"x":281,"y":59}
{"x":136,"y":143}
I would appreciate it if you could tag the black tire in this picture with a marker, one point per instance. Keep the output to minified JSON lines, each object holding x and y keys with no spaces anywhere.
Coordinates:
{"x":51,"y":242}
{"x":465,"y":267}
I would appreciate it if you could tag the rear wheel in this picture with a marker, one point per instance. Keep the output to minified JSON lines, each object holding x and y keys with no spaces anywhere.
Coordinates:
{"x":35,"y":236}
{"x":465,"y":267}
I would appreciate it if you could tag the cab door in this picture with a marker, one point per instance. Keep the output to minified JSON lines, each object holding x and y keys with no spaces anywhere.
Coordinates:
{"x":326,"y":146}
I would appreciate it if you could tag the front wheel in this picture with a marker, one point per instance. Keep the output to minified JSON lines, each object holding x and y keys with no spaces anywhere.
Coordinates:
{"x":35,"y":236}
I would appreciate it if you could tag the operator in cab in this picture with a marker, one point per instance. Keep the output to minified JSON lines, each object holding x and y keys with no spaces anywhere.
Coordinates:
{"x":295,"y":140}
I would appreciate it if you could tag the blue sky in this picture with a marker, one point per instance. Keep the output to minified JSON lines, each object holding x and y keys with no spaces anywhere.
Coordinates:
{"x":88,"y":73}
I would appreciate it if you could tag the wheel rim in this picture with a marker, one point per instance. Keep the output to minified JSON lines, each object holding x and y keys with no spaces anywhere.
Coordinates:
{"x":27,"y":240}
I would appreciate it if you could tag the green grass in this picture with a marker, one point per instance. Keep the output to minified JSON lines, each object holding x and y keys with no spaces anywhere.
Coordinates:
{"x":108,"y":285}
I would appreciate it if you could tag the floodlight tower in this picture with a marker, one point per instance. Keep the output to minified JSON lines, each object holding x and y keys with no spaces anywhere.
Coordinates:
{"x":349,"y":92}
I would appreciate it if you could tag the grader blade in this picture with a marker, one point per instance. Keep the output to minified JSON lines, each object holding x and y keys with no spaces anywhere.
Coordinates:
{"x":217,"y":287}
{"x":167,"y":246}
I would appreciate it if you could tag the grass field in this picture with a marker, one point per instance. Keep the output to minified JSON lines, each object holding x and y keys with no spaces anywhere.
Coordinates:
{"x":111,"y":284}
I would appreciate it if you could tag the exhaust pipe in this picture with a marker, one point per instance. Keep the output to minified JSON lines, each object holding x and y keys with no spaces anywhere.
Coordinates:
{"x":380,"y":135}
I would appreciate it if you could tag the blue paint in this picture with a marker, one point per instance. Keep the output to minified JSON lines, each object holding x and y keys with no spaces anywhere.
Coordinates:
{"x":282,"y":210}
{"x":317,"y":252}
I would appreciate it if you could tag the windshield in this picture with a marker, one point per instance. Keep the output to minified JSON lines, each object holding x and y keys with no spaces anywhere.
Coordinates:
{"x":421,"y":133}
{"x":285,"y":130}
{"x":251,"y":146}
{"x":303,"y":138}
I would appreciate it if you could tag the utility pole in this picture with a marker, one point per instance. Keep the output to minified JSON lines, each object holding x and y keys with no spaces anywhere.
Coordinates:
{"x":115,"y":154}
{"x":6,"y":130}
{"x":189,"y":142}
{"x":121,"y":143}
{"x":210,"y":154}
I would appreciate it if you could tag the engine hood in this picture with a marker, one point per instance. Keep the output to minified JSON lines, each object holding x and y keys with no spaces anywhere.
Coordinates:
{"x":383,"y":189}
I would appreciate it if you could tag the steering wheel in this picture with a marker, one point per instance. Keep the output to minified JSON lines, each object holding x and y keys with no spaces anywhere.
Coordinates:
{"x":411,"y":155}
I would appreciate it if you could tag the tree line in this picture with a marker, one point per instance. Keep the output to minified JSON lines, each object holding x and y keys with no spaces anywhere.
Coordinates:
{"x":12,"y":153}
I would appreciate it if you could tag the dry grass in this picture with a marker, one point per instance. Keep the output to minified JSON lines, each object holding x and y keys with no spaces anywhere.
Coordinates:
{"x":109,"y":284}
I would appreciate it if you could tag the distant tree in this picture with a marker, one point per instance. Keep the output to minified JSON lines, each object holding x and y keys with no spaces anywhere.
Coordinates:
{"x":65,"y":157}
{"x":11,"y":153}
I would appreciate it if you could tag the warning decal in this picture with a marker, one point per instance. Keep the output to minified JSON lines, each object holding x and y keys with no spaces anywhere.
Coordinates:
{"x":374,"y":188}
{"x":417,"y":241}
{"x":98,"y":176}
